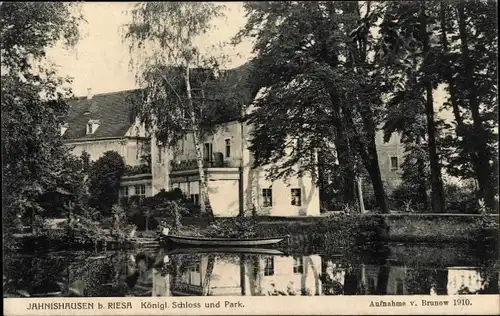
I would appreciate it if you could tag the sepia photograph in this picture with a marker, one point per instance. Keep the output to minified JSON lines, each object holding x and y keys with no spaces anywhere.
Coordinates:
{"x":336,"y":151}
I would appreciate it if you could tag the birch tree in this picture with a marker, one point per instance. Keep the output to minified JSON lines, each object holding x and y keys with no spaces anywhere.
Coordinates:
{"x":183,"y":89}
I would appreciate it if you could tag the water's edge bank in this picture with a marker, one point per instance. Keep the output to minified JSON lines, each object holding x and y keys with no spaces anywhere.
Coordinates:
{"x":408,"y":228}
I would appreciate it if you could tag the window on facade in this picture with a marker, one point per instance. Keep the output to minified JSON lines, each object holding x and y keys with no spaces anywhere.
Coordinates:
{"x":267,"y":197}
{"x":228,"y":147}
{"x":394,"y":163}
{"x":207,"y":152}
{"x":299,"y":143}
{"x":296,"y":197}
{"x":195,"y":198}
{"x":158,"y":158}
{"x":90,"y":128}
{"x":298,"y":265}
{"x":140,"y":190}
{"x":268,"y":266}
{"x":195,"y":267}
{"x":399,"y":287}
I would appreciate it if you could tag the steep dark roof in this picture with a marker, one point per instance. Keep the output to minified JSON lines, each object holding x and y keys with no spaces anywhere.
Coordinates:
{"x":239,"y":78}
{"x":113,"y":110}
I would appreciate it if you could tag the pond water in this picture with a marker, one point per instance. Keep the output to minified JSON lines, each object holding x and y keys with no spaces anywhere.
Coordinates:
{"x":394,"y":269}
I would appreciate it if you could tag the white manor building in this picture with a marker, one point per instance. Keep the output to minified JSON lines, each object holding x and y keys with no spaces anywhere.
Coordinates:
{"x":103,"y":122}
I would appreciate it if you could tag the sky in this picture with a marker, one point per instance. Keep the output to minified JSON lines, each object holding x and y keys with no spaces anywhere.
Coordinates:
{"x":100,"y":61}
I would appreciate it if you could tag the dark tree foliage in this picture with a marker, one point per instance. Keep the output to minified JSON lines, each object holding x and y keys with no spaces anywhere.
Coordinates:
{"x":104,"y":181}
{"x":424,"y":44}
{"x":318,"y":91}
{"x":40,"y":177}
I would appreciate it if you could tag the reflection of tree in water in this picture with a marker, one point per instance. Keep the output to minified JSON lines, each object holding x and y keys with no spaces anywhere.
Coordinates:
{"x":351,"y":261}
{"x":309,"y":263}
{"x":26,"y":276}
{"x":208,"y":275}
{"x":252,"y":269}
{"x":420,"y":280}
{"x":140,"y":281}
{"x":487,"y":253}
{"x":78,"y":274}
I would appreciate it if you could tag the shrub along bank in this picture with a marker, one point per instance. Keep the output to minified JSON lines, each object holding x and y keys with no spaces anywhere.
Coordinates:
{"x":348,"y":229}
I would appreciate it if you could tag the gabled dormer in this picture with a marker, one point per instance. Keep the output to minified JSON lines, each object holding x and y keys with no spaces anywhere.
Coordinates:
{"x":92,"y":126}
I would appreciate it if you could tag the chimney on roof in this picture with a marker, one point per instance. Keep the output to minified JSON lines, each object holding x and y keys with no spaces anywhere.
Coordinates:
{"x":89,"y":93}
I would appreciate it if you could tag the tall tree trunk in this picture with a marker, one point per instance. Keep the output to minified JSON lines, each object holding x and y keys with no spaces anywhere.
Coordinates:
{"x":367,"y":148}
{"x":205,"y":205}
{"x":484,"y":178}
{"x":461,"y":130}
{"x":438,"y":203}
{"x":346,"y":163}
{"x":370,"y":159}
{"x":344,"y":151}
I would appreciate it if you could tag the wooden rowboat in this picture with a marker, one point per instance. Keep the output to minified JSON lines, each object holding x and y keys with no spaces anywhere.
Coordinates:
{"x":220,"y":242}
{"x":224,"y":250}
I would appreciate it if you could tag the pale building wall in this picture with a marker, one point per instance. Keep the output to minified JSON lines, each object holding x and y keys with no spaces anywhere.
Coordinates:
{"x":129,"y":147}
{"x":282,"y":197}
{"x":224,"y":193}
{"x":226,"y":277}
{"x":393,"y":148}
{"x":97,"y":148}
{"x":223,"y":190}
{"x":231,"y":131}
{"x":255,"y":180}
{"x":224,"y":197}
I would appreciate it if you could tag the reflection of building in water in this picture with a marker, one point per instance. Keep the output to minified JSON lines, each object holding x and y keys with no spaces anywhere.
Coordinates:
{"x":290,"y":275}
{"x":462,"y":280}
{"x":250,"y":275}
{"x":224,"y":278}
